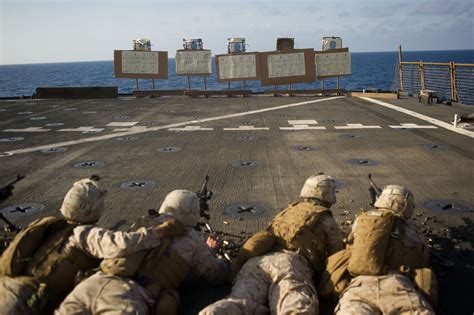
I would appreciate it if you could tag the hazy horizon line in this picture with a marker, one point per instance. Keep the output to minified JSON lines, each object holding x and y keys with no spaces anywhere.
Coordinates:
{"x":78,"y":61}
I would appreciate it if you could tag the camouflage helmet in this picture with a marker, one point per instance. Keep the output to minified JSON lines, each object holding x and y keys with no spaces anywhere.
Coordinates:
{"x":84,"y":202}
{"x":183,"y":205}
{"x":321,"y":187}
{"x":396,"y":198}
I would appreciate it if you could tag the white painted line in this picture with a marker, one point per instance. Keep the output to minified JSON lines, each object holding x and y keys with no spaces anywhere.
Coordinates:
{"x":302,"y":127}
{"x":412,"y":126}
{"x":302,"y":122}
{"x":29,"y":129}
{"x":357,"y":126}
{"x":191,"y":128}
{"x":81,"y":129}
{"x":134,"y":128}
{"x":122,"y":124}
{"x":246,"y":128}
{"x":174,"y":125}
{"x":436,"y":122}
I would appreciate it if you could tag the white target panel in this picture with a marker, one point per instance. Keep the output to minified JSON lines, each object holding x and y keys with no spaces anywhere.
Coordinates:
{"x":333,"y":64}
{"x":140,"y":62}
{"x":193,"y":62}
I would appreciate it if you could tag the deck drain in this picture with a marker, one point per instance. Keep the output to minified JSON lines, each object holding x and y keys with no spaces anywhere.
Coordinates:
{"x":24,"y":113}
{"x":246,"y":138}
{"x":20,"y":210}
{"x":11,"y":139}
{"x":245,"y":210}
{"x":54,"y":150}
{"x":446,"y":206}
{"x":126,"y":138}
{"x":38,"y":118}
{"x":89,"y":164}
{"x":121,"y":117}
{"x":302,"y":148}
{"x":55,"y":124}
{"x":246,"y":163}
{"x":364,"y":162}
{"x":150,"y":123}
{"x":90,"y":112}
{"x":169,"y":149}
{"x":138,"y":184}
{"x":434,"y":146}
{"x":352,"y":136}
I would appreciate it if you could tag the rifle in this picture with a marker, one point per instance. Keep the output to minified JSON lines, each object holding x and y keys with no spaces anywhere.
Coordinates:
{"x":10,"y":229}
{"x":374,"y":190}
{"x":6,"y":191}
{"x":204,"y":196}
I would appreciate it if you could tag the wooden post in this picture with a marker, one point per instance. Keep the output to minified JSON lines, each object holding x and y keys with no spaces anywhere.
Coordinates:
{"x":153,"y":83}
{"x":454,"y":94}
{"x":205,"y":83}
{"x":228,"y":85}
{"x":189,"y":83}
{"x":422,"y":75}
{"x":400,"y":67}
{"x":137,"y":83}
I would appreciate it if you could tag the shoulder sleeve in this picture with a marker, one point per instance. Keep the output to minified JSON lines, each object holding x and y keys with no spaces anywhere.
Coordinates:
{"x":104,"y":243}
{"x":205,"y":264}
{"x":334,"y":234}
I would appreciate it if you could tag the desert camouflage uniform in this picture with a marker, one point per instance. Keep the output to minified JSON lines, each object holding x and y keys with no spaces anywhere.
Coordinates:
{"x":282,"y":280}
{"x":105,"y":294}
{"x":96,"y":241}
{"x":392,"y":293}
{"x":388,"y":294}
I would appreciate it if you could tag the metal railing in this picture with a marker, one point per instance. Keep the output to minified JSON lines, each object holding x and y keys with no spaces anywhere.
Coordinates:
{"x":453,"y":81}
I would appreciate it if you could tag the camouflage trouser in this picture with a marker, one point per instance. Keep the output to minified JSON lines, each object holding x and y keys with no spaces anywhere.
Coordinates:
{"x":104,"y":294}
{"x":14,"y":296}
{"x":389,"y":294}
{"x":281,"y":280}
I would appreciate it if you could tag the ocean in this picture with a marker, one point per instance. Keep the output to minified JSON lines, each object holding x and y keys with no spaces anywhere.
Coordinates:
{"x":376,"y":70}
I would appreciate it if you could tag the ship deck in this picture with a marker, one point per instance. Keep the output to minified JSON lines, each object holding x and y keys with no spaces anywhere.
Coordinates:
{"x":258,"y":151}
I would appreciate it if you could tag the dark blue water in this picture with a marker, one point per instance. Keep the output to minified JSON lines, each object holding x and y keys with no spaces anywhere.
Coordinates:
{"x":369,"y":70}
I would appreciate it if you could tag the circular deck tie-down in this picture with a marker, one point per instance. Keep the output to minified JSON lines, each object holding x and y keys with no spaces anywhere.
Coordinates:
{"x":364,"y":162}
{"x":245,"y":210}
{"x":89,"y":164}
{"x":446,"y":206}
{"x":138,"y":184}
{"x":22,"y":209}
{"x":169,"y":149}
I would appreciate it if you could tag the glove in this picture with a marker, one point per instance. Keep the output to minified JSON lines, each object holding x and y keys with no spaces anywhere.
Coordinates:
{"x":171,"y":228}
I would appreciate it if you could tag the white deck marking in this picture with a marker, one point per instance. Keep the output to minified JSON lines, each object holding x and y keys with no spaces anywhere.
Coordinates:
{"x":29,"y":129}
{"x":134,"y":128}
{"x":302,"y":122}
{"x":191,"y":128}
{"x":246,"y":128}
{"x":436,"y":122}
{"x":174,"y":125}
{"x":81,"y":129}
{"x":122,"y":124}
{"x":302,"y":125}
{"x":412,"y":126}
{"x":357,"y":126}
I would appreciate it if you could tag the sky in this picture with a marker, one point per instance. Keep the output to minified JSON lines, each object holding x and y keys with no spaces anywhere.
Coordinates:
{"x":41,"y":31}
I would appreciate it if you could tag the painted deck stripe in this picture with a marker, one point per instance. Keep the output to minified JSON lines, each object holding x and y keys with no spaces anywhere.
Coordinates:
{"x":181,"y":124}
{"x":246,"y":128}
{"x":302,"y":127}
{"x":431,"y":120}
{"x":357,"y":126}
{"x":29,"y":129}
